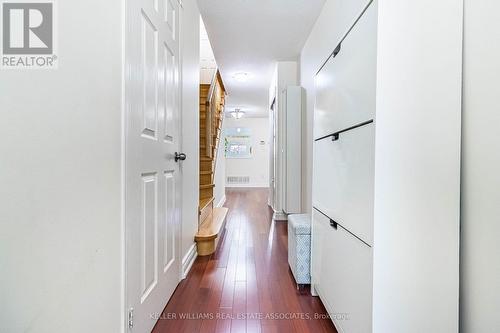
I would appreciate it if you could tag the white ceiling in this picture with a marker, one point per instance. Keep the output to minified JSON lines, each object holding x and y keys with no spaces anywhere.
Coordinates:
{"x":250,"y":36}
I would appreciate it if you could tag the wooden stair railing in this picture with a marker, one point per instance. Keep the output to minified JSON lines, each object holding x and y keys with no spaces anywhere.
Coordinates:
{"x":211,"y":222}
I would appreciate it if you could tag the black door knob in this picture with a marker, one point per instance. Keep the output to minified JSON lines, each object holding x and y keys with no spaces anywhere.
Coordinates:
{"x":180,"y":156}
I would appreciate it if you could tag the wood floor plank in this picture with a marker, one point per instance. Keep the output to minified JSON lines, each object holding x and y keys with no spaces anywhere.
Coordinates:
{"x":230,"y":278}
{"x":247,"y":275}
{"x":224,"y":322}
{"x":209,"y":325}
{"x":238,"y":322}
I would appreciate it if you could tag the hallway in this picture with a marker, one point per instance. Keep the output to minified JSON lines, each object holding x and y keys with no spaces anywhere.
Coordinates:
{"x":247,"y":282}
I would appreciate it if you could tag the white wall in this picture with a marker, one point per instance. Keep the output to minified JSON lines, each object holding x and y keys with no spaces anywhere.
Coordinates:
{"x":60,"y":176}
{"x":417,"y":166}
{"x":480,"y":250}
{"x":220,"y":175}
{"x":257,"y":167}
{"x":333,"y":22}
{"x":208,"y":66}
{"x":190,"y":127}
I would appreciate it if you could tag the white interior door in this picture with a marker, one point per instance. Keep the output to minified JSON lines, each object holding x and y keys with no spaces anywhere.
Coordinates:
{"x":152,"y":211}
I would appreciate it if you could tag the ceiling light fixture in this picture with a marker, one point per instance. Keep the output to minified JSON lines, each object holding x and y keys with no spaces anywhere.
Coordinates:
{"x":241,"y":76}
{"x":237,"y":114}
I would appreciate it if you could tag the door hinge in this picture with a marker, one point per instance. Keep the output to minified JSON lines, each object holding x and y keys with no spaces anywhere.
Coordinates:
{"x":131,"y":318}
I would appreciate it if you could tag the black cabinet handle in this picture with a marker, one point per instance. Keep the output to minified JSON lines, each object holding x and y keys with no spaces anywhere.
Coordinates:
{"x":335,"y":136}
{"x":337,"y":50}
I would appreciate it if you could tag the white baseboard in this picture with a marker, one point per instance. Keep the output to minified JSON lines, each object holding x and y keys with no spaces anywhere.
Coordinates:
{"x":313,"y":290}
{"x":266,"y":185}
{"x":188,"y":260}
{"x":280,"y":216}
{"x":221,"y":201}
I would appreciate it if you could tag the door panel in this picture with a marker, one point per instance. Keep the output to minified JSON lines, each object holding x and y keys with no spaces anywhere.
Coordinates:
{"x":346,"y":85}
{"x":149,"y":236}
{"x":343,"y":177}
{"x":152,"y":205}
{"x":171,"y":19}
{"x":149,"y":60}
{"x":169,"y":95}
{"x":343,"y":278}
{"x":169,"y":245}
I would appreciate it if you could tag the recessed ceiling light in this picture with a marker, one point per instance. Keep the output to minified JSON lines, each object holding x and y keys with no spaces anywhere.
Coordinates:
{"x":241,"y":76}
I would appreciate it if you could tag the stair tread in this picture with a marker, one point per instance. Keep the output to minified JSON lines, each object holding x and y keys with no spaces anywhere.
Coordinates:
{"x":206,"y":172}
{"x":213,"y":224}
{"x":207,"y":186}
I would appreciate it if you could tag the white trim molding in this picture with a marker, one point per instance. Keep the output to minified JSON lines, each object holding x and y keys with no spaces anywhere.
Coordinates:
{"x":280,"y":216}
{"x":221,"y":201}
{"x":188,"y":260}
{"x":263,"y":185}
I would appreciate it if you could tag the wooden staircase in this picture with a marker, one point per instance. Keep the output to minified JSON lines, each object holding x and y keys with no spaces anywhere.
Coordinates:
{"x":212,"y":219}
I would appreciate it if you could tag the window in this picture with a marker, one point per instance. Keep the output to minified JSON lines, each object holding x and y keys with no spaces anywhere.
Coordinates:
{"x":238,"y":142}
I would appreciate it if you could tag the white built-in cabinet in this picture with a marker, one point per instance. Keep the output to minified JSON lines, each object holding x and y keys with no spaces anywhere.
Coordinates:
{"x":343,"y":177}
{"x":345,"y":225}
{"x":342,"y":275}
{"x":286,"y":101}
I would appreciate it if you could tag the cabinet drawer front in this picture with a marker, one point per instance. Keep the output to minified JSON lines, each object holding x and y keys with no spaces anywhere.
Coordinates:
{"x":344,"y":276}
{"x":343,"y":180}
{"x":346,"y":85}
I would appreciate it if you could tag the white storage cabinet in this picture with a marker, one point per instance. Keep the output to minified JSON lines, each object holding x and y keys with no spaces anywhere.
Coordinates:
{"x":344,"y":226}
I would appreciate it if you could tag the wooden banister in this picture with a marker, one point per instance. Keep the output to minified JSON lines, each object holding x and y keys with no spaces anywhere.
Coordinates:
{"x":211,"y":220}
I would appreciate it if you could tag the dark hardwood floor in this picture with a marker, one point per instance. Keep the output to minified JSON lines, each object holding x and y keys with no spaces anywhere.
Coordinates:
{"x":246,"y":286}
